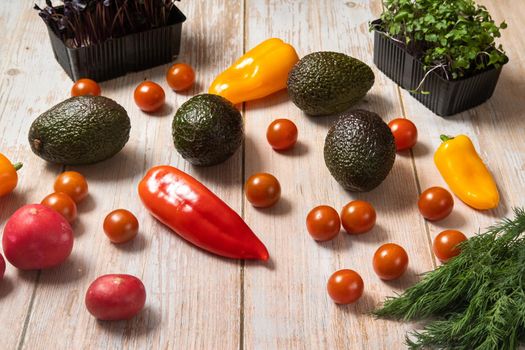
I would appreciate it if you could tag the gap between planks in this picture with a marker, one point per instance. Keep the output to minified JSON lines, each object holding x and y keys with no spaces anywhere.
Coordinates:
{"x":243,"y":198}
{"x":416,"y":176}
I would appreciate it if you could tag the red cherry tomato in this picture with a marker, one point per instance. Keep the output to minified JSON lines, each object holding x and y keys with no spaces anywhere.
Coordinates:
{"x":262,"y":190}
{"x":323,"y":223}
{"x":149,"y":96}
{"x":63,"y":204}
{"x":405,"y":133}
{"x":282,"y":134}
{"x":445,"y":244}
{"x":435,"y":203}
{"x":85,"y":87}
{"x":121,"y":226}
{"x":180,"y":77}
{"x":345,"y":286}
{"x":358,"y":217}
{"x":73,"y":184}
{"x":390,"y":261}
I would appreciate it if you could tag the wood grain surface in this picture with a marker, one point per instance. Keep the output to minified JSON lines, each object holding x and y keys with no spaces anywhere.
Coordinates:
{"x":199,"y":301}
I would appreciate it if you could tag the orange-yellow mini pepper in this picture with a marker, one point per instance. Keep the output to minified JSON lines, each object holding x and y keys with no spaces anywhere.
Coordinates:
{"x":465,"y":173}
{"x":260,"y":72}
{"x":8,"y":176}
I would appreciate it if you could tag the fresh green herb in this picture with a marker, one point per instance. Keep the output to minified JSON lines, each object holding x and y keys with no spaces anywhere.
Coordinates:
{"x":476,"y":300}
{"x":89,"y":22}
{"x":454,"y":37}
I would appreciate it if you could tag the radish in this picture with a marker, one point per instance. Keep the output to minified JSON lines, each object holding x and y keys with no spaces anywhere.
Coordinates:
{"x":37,"y":237}
{"x":115,"y":297}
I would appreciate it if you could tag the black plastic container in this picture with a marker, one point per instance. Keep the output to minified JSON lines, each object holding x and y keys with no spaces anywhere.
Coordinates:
{"x":446,"y":97}
{"x":116,"y":57}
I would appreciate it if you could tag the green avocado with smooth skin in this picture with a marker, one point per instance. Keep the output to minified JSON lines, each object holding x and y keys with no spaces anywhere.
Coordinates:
{"x":324,"y":83}
{"x":80,"y":130}
{"x":359,"y":150}
{"x":207,"y":129}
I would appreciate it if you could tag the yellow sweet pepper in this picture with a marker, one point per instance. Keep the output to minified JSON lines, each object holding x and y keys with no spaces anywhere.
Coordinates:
{"x":260,"y":72}
{"x":465,"y":173}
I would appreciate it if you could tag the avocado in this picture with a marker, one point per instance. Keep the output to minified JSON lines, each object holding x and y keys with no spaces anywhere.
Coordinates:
{"x":207,"y":129}
{"x":359,"y":150}
{"x":80,"y":130}
{"x":324,"y":83}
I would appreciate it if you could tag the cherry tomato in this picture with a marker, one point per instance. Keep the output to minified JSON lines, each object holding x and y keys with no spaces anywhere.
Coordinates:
{"x":345,"y":286}
{"x":445,"y":243}
{"x":435,"y":203}
{"x":121,"y":226}
{"x":180,"y":76}
{"x":358,"y":217}
{"x":149,"y":96}
{"x":323,"y":223}
{"x":63,"y":204}
{"x":282,"y":134}
{"x":390,"y":261}
{"x":85,"y":87}
{"x":73,"y":184}
{"x":263,"y":190}
{"x":405,"y":133}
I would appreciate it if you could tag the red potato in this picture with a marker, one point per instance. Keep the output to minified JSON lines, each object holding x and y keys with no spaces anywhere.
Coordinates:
{"x":115,"y":297}
{"x":2,"y":267}
{"x":37,"y":237}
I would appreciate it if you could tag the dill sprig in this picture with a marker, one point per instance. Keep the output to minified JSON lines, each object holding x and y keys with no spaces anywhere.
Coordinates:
{"x":476,"y":300}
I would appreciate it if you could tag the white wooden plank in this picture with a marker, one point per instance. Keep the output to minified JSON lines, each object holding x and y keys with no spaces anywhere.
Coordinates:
{"x":19,"y":42}
{"x":496,"y":128}
{"x":286,"y":304}
{"x":193,"y":298}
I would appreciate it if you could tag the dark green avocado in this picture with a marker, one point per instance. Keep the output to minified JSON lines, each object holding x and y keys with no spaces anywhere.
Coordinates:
{"x":324,"y":83}
{"x":207,"y":129}
{"x":80,"y":130}
{"x":359,"y":150}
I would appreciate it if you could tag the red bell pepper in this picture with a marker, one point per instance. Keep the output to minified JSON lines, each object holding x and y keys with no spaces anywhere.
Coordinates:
{"x":194,"y":212}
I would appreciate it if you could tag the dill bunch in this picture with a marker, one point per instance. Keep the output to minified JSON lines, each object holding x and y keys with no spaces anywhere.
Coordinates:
{"x":476,"y":300}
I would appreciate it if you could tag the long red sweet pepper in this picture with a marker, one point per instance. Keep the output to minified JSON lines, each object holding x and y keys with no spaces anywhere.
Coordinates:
{"x":194,"y":212}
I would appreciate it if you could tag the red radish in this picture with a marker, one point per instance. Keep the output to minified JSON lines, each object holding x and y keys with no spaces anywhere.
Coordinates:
{"x":115,"y":297}
{"x":37,"y":237}
{"x":2,"y":267}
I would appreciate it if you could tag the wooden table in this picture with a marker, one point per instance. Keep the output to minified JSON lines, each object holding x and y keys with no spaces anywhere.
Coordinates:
{"x":197,"y":300}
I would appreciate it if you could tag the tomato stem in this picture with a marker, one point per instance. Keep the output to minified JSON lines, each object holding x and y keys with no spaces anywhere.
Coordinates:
{"x":18,"y":166}
{"x":446,"y":138}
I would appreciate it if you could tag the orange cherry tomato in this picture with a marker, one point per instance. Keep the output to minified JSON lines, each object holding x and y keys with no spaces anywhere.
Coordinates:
{"x":149,"y":96}
{"x":405,"y":133}
{"x":180,"y":76}
{"x":445,"y":244}
{"x":73,"y":184}
{"x":63,"y":204}
{"x":282,"y":134}
{"x":121,"y":226}
{"x":435,"y":203}
{"x":358,"y":217}
{"x":390,"y":261}
{"x":345,"y":286}
{"x":8,"y":175}
{"x":85,"y":87}
{"x":323,"y":223}
{"x":262,"y":190}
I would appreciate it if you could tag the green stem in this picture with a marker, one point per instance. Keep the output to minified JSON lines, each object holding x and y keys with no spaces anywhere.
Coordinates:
{"x":446,"y":138}
{"x":18,"y":166}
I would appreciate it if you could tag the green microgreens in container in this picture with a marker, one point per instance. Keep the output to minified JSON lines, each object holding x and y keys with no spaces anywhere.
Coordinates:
{"x":455,"y":38}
